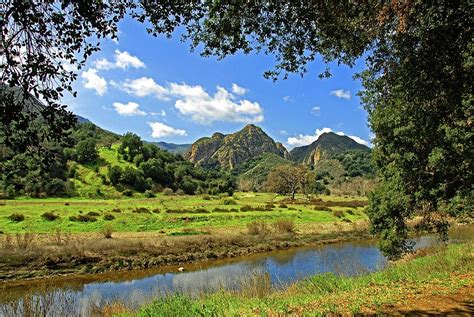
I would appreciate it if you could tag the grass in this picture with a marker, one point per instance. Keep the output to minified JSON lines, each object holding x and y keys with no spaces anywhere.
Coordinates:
{"x":445,"y":271}
{"x":166,"y":213}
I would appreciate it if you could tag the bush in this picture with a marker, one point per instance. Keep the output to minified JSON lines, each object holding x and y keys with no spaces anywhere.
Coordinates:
{"x":283,"y":206}
{"x":229,"y":201}
{"x":127,"y":193}
{"x":284,"y":226}
{"x":322,"y":208}
{"x":206,"y":197}
{"x":117,"y":210}
{"x":257,"y":228}
{"x":107,"y":231}
{"x":83,"y":218}
{"x":109,"y":217}
{"x":168,"y":191}
{"x":338,"y":213}
{"x":269,"y":206}
{"x":93,"y":214}
{"x":180,"y":192}
{"x":56,"y":187}
{"x":16,"y":217}
{"x":149,"y":194}
{"x":141,"y":210}
{"x":246,"y":208}
{"x":49,"y":216}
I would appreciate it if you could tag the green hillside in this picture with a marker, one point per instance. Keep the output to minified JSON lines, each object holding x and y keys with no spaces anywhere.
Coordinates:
{"x":253,"y":173}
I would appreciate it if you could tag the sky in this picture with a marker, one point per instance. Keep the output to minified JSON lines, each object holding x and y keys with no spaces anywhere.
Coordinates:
{"x":158,"y":89}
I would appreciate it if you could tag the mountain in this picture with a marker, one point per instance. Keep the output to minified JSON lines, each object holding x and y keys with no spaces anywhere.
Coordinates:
{"x":173,"y":147}
{"x":230,"y":151}
{"x":327,"y":145}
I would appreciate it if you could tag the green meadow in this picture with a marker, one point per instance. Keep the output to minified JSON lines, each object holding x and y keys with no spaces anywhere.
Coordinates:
{"x":172,"y":214}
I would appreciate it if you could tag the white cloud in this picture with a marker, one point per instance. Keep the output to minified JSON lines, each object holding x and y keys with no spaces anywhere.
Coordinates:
{"x":288,"y":99}
{"x":203,"y":108}
{"x":145,"y":86}
{"x":283,"y":132}
{"x":341,"y":93}
{"x":301,"y":140}
{"x":239,"y":90}
{"x":316,"y":111}
{"x":122,"y":60}
{"x":129,"y":109}
{"x":161,"y":130}
{"x":93,"y":81}
{"x":195,"y":102}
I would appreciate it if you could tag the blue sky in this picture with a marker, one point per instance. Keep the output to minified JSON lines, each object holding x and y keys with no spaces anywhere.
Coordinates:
{"x":158,"y":89}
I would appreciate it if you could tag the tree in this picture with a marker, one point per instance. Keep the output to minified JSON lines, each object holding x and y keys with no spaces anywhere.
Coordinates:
{"x":284,"y":179}
{"x":115,"y":174}
{"x":86,"y":151}
{"x":131,"y":146}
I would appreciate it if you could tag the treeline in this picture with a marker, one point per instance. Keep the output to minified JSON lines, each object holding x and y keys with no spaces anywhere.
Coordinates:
{"x":47,"y":172}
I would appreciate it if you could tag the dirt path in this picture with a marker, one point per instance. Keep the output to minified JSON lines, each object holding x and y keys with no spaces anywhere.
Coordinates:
{"x":460,"y":303}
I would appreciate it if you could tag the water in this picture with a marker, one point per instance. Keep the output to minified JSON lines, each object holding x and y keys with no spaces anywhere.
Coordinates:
{"x":137,"y":287}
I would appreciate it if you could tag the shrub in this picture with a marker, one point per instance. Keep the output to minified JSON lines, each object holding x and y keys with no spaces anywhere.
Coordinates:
{"x":338,"y":213}
{"x":223,"y":195}
{"x":168,"y":191}
{"x":246,"y":208}
{"x":83,"y":218}
{"x":49,"y":216}
{"x":322,"y":208}
{"x":149,"y":194}
{"x":117,"y":210}
{"x":206,"y":197}
{"x":283,"y":206}
{"x":127,"y":193}
{"x":217,"y":209}
{"x":107,"y":231}
{"x":109,"y":217}
{"x":257,"y":228}
{"x":350,"y":212}
{"x":229,"y":201}
{"x":284,"y":226}
{"x":141,"y":210}
{"x":93,"y":214}
{"x":156,"y":211}
{"x":16,"y":217}
{"x":180,"y":192}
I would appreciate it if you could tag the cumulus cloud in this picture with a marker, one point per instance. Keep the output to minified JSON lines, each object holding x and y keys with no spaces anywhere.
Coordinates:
{"x":301,"y":140}
{"x":93,"y":81}
{"x":239,"y":90}
{"x":160,"y":130}
{"x":143,"y":87}
{"x":341,"y":93}
{"x":316,"y":111}
{"x":288,"y":99}
{"x":203,"y":108}
{"x":129,"y":109}
{"x":196,"y":103}
{"x":122,"y":60}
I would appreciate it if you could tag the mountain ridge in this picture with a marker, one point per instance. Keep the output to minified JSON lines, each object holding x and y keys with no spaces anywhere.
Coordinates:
{"x":231,"y":150}
{"x":327,"y":144}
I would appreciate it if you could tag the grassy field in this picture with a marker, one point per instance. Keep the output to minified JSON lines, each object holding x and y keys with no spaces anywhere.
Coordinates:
{"x":441,"y":283}
{"x":42,"y":237}
{"x":172,"y":214}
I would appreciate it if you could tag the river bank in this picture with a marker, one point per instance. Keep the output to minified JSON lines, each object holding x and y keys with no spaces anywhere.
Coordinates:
{"x":420,"y":285}
{"x":39,"y":256}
